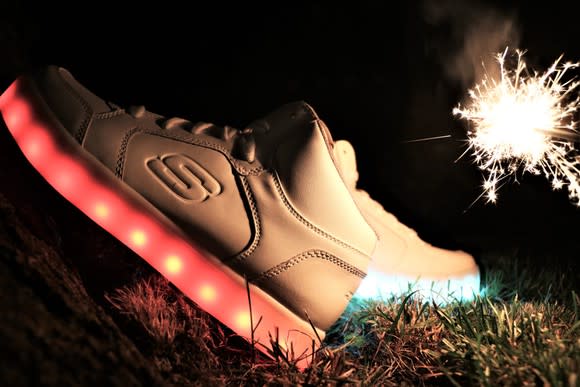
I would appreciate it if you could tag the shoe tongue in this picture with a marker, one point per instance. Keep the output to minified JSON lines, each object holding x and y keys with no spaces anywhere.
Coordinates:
{"x":287,"y":121}
{"x":345,"y":159}
{"x":309,"y":177}
{"x":283,"y":124}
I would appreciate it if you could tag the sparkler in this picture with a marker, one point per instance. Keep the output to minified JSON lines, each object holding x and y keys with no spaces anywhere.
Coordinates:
{"x":523,"y":121}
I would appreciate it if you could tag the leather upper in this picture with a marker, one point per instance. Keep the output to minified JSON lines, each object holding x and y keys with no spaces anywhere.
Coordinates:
{"x":268,"y":200}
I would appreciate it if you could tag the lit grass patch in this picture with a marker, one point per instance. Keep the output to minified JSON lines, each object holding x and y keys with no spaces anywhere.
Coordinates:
{"x":524,"y":329}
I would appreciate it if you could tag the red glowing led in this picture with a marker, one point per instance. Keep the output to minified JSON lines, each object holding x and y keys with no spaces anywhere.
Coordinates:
{"x":207,"y":293}
{"x":243,"y":321}
{"x":31,"y":148}
{"x":173,"y":264}
{"x":138,"y":238}
{"x":101,"y":210}
{"x":20,"y":113}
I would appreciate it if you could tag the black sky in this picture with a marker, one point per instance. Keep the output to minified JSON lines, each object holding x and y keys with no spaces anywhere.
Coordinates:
{"x":374,"y":71}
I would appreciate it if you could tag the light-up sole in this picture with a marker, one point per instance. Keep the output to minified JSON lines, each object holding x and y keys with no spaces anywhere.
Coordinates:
{"x":380,"y":286}
{"x":117,"y":208}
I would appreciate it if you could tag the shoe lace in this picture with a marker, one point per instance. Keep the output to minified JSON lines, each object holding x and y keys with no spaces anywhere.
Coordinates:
{"x":243,"y":143}
{"x":384,"y":215}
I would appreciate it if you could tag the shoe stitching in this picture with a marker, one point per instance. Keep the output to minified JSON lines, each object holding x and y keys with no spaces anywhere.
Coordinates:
{"x":82,"y":129}
{"x":287,"y":265}
{"x":326,"y":136}
{"x":121,"y":154}
{"x":111,"y":114}
{"x":309,"y":110}
{"x":305,"y":222}
{"x":256,"y":219}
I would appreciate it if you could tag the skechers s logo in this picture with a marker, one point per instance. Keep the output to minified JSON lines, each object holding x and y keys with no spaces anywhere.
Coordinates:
{"x":184,"y":177}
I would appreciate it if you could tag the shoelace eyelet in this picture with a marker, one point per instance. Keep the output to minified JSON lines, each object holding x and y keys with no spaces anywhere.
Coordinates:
{"x":136,"y":111}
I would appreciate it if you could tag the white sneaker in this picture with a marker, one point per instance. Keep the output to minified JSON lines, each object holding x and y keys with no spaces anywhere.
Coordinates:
{"x":243,"y":222}
{"x":402,"y":261}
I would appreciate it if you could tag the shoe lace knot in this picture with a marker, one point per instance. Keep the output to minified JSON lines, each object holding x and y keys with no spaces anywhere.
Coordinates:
{"x":242,"y":141}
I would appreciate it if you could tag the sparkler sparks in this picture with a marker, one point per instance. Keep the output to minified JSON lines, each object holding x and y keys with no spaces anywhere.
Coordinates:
{"x":524,"y":121}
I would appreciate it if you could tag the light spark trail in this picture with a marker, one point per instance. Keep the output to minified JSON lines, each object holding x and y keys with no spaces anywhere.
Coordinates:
{"x":523,"y":121}
{"x":427,"y":139}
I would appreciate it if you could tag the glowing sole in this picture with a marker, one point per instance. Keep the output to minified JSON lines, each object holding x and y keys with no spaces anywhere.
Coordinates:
{"x":379,"y":286}
{"x":125,"y":214}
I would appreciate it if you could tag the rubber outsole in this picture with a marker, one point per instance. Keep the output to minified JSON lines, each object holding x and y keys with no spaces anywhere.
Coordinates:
{"x":125,"y":214}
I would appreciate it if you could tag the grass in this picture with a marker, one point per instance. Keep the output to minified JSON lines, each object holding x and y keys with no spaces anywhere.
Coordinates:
{"x":525,"y":330}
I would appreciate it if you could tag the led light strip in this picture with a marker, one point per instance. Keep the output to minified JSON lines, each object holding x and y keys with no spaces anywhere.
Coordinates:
{"x":380,"y":286}
{"x":81,"y":179}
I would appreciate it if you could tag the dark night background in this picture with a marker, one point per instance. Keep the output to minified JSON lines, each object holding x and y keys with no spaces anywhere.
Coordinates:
{"x":376,"y":72}
{"x":379,"y":73}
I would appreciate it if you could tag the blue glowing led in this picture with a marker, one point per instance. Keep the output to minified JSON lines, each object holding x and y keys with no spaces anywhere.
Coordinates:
{"x":379,"y":286}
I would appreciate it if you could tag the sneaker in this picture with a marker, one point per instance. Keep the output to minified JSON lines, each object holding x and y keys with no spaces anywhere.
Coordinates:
{"x":256,"y":226}
{"x":402,"y":261}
